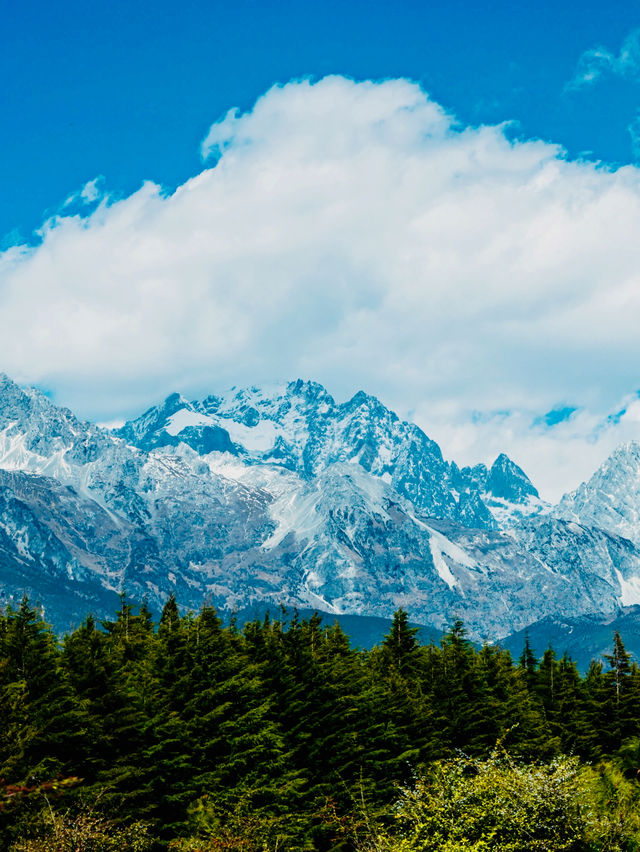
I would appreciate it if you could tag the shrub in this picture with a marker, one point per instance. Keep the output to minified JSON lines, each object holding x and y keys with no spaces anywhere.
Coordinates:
{"x":500,"y":805}
{"x":84,"y":833}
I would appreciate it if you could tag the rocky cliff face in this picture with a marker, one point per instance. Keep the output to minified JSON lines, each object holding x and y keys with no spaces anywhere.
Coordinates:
{"x":282,"y":495}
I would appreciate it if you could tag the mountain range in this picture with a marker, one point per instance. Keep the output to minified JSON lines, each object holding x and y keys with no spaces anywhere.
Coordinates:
{"x":280,"y":495}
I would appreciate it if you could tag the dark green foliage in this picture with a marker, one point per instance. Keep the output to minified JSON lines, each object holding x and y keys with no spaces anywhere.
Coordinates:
{"x":43,"y":731}
{"x":198,"y":729}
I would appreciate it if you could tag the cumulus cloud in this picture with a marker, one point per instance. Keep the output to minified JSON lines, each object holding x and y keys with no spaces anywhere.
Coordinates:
{"x":354,"y":233}
{"x":599,"y":61}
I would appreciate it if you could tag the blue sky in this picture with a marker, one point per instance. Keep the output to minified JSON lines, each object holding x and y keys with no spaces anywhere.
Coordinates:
{"x":438,"y":203}
{"x":128,"y":90}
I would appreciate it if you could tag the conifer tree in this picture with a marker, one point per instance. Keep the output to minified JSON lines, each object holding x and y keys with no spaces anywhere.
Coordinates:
{"x":168,"y":755}
{"x":239,"y":754}
{"x":401,"y":643}
{"x":594,"y":714}
{"x":44,"y":727}
{"x":528,"y":663}
{"x":619,"y":707}
{"x":124,"y":708}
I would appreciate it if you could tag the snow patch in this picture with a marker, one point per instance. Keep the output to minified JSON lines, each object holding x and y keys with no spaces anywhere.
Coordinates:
{"x":508,"y":513}
{"x":629,"y":589}
{"x":293,"y":513}
{"x":256,"y":439}
{"x":184,"y":418}
{"x":442,"y":546}
{"x":372,"y":488}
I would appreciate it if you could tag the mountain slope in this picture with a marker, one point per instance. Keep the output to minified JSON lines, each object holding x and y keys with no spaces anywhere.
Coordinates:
{"x":583,"y":638}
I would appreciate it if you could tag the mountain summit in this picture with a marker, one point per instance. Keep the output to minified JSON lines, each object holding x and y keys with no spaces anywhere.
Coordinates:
{"x":300,"y":427}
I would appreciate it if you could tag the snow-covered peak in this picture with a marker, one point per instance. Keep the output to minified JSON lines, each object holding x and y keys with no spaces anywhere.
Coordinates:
{"x":23,"y":405}
{"x":176,"y":421}
{"x":300,"y":427}
{"x":271,"y":402}
{"x":155,"y":418}
{"x":33,"y":427}
{"x":611,"y":498}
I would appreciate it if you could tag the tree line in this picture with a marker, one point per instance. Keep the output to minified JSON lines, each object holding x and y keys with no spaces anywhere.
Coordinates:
{"x":189,"y":734}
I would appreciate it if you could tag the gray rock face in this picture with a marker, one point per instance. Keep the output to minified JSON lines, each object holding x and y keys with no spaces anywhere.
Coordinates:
{"x":284,"y":496}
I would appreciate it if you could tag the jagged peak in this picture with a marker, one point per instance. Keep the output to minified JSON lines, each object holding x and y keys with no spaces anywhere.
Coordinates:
{"x":310,"y":390}
{"x":625,"y":454}
{"x":504,"y":463}
{"x":628,"y":448}
{"x":371,"y":404}
{"x":174,"y":402}
{"x":8,"y":385}
{"x":362,"y":398}
{"x":266,"y":396}
{"x":6,"y":380}
{"x":17,"y":400}
{"x":155,"y":417}
{"x":507,"y":480}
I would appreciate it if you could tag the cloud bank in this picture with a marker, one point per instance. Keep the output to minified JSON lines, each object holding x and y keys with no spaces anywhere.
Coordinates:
{"x":355,"y":233}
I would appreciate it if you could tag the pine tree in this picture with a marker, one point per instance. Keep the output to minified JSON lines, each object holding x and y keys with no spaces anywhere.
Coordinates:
{"x":168,"y":755}
{"x":44,"y":730}
{"x":123,"y":704}
{"x":618,"y":705}
{"x":401,"y":643}
{"x":528,"y":663}
{"x":593,"y":737}
{"x":457,"y":686}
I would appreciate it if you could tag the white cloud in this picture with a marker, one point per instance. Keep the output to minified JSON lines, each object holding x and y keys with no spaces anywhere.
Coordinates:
{"x":557,"y":458}
{"x":353,"y":233}
{"x":599,"y":61}
{"x":90,"y":192}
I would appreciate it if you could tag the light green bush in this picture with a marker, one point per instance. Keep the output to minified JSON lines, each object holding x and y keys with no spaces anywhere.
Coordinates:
{"x":500,"y":805}
{"x":84,"y":833}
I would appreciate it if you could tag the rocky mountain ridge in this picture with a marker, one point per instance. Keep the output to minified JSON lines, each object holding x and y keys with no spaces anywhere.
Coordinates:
{"x":301,"y":428}
{"x":285,"y":496}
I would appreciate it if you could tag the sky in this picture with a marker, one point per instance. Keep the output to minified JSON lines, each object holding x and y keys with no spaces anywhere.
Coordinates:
{"x":438,"y":203}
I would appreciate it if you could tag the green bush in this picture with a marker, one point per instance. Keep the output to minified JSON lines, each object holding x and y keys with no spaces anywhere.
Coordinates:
{"x":500,"y":805}
{"x":84,"y":833}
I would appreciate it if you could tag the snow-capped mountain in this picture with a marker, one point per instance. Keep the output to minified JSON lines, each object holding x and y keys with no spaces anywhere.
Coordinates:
{"x":282,"y":495}
{"x":611,"y":498}
{"x":300,"y":427}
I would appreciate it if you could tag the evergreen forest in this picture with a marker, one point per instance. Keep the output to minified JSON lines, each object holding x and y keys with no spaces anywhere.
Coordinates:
{"x":190,"y":735}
